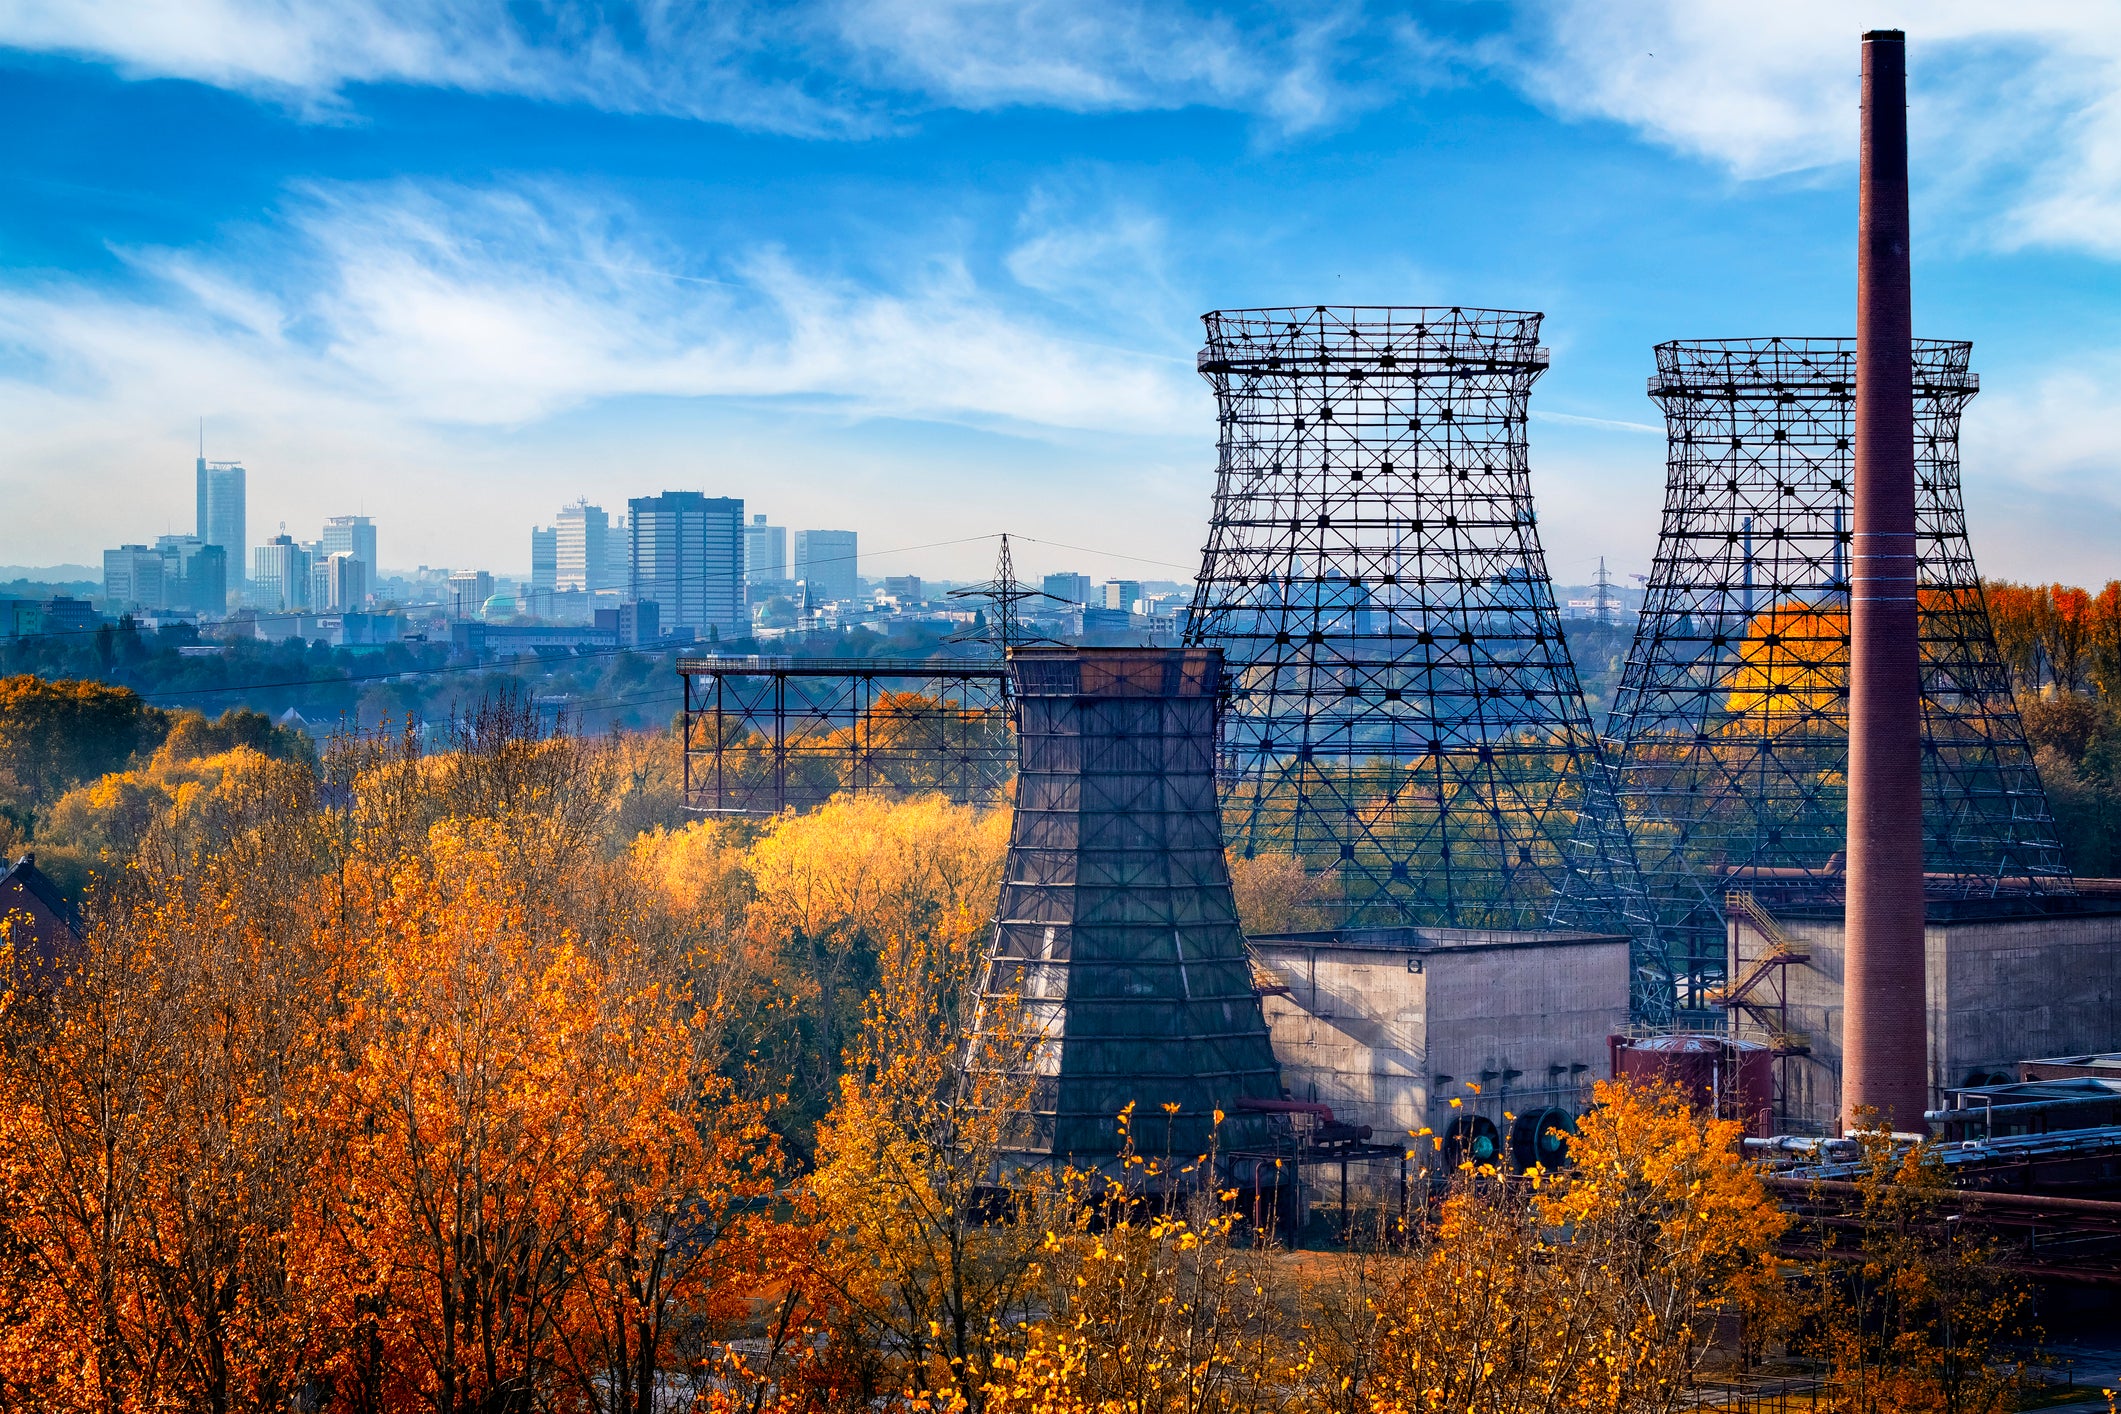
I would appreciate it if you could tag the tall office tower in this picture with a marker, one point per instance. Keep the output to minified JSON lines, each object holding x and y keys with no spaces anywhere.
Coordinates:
{"x":824,"y":560}
{"x":468,"y":592}
{"x":544,"y":559}
{"x":132,"y":578}
{"x":765,"y":552}
{"x":340,"y":583}
{"x":356,"y":535}
{"x":584,"y":552}
{"x":1069,"y":588}
{"x":279,"y":573}
{"x":618,"y":555}
{"x":1120,"y":594}
{"x":222,"y":514}
{"x":688,"y":558}
{"x":178,"y":553}
{"x":206,"y":581}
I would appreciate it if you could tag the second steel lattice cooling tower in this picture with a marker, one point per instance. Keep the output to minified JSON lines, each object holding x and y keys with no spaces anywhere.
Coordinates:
{"x":1729,"y":732}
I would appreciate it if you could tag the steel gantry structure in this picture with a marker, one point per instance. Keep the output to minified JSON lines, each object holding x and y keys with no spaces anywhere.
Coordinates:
{"x":763,"y":735}
{"x":1403,"y":714}
{"x":1729,"y":731}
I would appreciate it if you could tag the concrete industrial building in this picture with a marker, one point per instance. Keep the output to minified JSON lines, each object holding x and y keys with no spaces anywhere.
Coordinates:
{"x":1387,"y":1026}
{"x":2000,"y":983}
{"x":688,"y":559}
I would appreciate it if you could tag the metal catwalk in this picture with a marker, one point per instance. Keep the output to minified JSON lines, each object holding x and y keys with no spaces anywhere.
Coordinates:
{"x":1729,"y":731}
{"x":1404,"y":713}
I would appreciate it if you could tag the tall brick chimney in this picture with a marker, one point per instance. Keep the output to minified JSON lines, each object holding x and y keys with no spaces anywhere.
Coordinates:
{"x":1885,"y":1051}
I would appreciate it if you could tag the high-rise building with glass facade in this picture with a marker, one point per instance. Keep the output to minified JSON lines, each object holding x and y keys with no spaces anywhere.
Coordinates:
{"x":132,"y":579}
{"x":765,"y":552}
{"x":279,"y":574}
{"x":544,"y":559}
{"x":222,"y":510}
{"x":688,"y":559}
{"x":825,"y":563}
{"x":194,"y":574}
{"x":356,"y":535}
{"x":583,"y":550}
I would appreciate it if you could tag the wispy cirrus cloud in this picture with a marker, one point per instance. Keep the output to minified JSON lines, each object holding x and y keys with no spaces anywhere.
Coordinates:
{"x":498,"y":307}
{"x":2017,"y":109}
{"x":817,"y":68}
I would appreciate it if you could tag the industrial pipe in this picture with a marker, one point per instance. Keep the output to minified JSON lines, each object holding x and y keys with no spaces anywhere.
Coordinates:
{"x":1885,"y":1062}
{"x":2021,"y":1109}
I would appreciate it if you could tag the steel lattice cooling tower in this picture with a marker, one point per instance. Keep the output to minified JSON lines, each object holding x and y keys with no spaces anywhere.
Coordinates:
{"x":1729,"y":732}
{"x":1404,"y":712}
{"x":1116,"y":925}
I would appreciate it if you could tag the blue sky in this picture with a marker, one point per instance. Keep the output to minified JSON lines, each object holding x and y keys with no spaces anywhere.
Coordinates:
{"x":933,"y":270}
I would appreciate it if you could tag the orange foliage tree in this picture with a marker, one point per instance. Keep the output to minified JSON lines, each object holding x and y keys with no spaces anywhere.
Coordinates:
{"x":392,"y":1096}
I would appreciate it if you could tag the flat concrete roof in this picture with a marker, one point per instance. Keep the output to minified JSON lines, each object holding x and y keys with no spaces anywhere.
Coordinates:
{"x":1426,"y":940}
{"x":2008,"y":908}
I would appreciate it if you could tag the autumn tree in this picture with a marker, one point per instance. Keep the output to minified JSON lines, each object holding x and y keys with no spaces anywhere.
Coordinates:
{"x":837,"y":888}
{"x":929,"y":1227}
{"x":54,"y":734}
{"x":1158,"y":1301}
{"x":1910,"y":1309}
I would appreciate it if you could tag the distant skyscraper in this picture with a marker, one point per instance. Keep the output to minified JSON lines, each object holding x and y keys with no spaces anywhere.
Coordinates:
{"x":584,"y":552}
{"x":765,"y":552}
{"x":194,"y":574}
{"x":279,"y":573}
{"x":222,"y":510}
{"x":618,"y":558}
{"x":339,"y":584}
{"x":1074,"y":588}
{"x":356,"y":535}
{"x":688,"y":559}
{"x":1120,"y":594}
{"x":468,"y":592}
{"x":824,"y":560}
{"x":544,"y":560}
{"x":132,"y":578}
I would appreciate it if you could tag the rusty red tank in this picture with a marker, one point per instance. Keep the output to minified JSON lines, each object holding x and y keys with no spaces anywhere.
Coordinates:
{"x":1732,"y":1079}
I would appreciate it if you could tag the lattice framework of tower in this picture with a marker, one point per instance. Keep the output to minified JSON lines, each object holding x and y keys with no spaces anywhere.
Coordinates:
{"x":1729,"y":730}
{"x":1404,"y":716}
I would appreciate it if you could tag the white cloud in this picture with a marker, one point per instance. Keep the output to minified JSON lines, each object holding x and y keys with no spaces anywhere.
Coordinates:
{"x":501,"y":307}
{"x":2014,"y":108}
{"x":818,"y":68}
